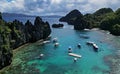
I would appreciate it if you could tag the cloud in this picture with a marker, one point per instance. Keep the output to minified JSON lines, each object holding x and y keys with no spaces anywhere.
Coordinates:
{"x":57,"y":7}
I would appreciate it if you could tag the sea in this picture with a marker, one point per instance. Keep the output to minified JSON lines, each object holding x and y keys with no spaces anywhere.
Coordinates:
{"x":56,"y":59}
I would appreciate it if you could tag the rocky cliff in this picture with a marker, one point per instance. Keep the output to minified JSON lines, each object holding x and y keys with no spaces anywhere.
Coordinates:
{"x":14,"y":34}
{"x":71,"y":17}
{"x":104,"y":18}
{"x":75,"y":18}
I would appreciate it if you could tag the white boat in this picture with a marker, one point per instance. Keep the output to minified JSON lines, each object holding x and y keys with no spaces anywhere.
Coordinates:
{"x":41,"y":55}
{"x":49,"y":36}
{"x":70,"y":49}
{"x":95,"y":46}
{"x":79,"y":45}
{"x":55,"y":39}
{"x":75,"y":55}
{"x":90,"y":42}
{"x":75,"y":59}
{"x":86,"y":29}
{"x":56,"y":44}
{"x":44,"y":42}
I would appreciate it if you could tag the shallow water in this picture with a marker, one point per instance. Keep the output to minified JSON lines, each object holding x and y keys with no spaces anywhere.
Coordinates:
{"x":57,"y":61}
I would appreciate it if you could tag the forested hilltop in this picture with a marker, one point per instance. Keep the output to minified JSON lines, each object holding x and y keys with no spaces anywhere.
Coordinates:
{"x":104,"y":18}
{"x":14,"y":34}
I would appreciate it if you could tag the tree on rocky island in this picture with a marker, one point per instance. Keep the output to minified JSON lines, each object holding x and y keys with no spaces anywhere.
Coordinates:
{"x":116,"y":29}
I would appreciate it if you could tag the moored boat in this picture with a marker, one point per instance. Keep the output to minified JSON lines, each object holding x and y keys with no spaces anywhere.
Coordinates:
{"x":79,"y":45}
{"x":55,"y":39}
{"x":70,"y":49}
{"x":75,"y":55}
{"x":89,"y":43}
{"x":95,"y":47}
{"x":56,"y":44}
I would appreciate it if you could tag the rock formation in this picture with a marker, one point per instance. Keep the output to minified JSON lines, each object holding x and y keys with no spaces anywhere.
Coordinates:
{"x":57,"y":25}
{"x":14,"y":34}
{"x":104,"y":18}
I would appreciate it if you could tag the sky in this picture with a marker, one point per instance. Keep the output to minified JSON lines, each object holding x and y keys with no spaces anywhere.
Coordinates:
{"x":55,"y":7}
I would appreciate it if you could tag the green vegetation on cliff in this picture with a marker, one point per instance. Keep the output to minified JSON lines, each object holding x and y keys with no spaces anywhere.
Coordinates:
{"x":104,"y":18}
{"x":111,"y":22}
{"x":5,"y":50}
{"x":13,"y":34}
{"x":71,"y":17}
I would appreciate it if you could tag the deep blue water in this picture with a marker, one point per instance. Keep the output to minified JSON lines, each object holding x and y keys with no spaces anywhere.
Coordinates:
{"x":57,"y":60}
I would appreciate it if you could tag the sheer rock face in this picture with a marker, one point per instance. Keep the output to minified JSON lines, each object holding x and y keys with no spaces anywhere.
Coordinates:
{"x":15,"y":34}
{"x":89,"y":21}
{"x":41,"y":28}
{"x":75,"y":18}
{"x":71,"y":17}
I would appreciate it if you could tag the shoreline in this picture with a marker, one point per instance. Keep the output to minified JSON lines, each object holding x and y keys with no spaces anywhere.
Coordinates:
{"x":108,"y":62}
{"x":14,"y":50}
{"x":18,"y":49}
{"x":112,"y":60}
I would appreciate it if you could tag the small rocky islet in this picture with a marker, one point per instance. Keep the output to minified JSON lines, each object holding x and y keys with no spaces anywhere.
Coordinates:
{"x":14,"y":34}
{"x":57,"y":25}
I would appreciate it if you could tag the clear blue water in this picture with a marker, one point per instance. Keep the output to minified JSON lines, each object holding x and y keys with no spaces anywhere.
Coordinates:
{"x":57,"y":60}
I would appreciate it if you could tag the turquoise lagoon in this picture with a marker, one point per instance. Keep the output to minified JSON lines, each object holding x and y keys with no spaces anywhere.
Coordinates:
{"x":57,"y":61}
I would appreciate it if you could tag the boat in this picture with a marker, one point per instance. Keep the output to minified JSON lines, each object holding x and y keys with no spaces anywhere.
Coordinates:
{"x":44,"y":42}
{"x":86,"y":29}
{"x":56,"y":44}
{"x":70,"y":49}
{"x":55,"y":39}
{"x":90,"y":43}
{"x":79,"y":45}
{"x":75,"y":59}
{"x":49,"y":37}
{"x":74,"y":55}
{"x":95,"y":47}
{"x":41,"y":55}
{"x":93,"y":44}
